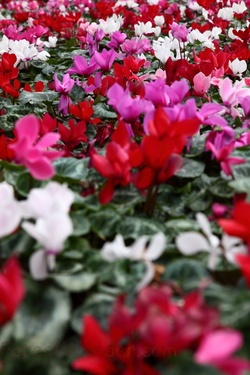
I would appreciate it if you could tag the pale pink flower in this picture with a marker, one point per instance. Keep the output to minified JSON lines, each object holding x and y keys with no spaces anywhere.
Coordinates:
{"x":201,"y":83}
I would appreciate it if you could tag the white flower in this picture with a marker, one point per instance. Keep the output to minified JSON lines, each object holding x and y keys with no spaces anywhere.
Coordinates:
{"x":226,"y":14}
{"x":238,"y":66}
{"x":239,"y":8}
{"x":146,"y":28}
{"x":128,"y":3}
{"x":42,"y":202}
{"x":159,"y":20}
{"x":24,"y":51}
{"x":51,"y":232}
{"x":10,"y":210}
{"x":117,"y":249}
{"x":144,"y":249}
{"x":111,"y":24}
{"x":153,"y":2}
{"x":190,"y":243}
{"x":162,"y":48}
{"x":51,"y":42}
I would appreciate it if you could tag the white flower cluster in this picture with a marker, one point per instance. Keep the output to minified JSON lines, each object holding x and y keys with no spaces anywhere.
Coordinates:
{"x":24,"y":51}
{"x":142,"y":250}
{"x":49,"y":208}
{"x":111,"y":24}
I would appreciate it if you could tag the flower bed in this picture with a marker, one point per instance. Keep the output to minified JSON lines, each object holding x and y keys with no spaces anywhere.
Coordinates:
{"x":125,"y":185}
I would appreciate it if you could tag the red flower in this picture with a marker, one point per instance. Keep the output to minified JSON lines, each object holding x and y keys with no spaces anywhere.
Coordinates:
{"x":83,"y":110}
{"x":239,"y":224}
{"x":11,"y":290}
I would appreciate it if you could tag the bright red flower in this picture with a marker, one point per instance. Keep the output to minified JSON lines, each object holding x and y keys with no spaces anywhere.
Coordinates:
{"x":11,"y":290}
{"x":239,"y":224}
{"x":83,"y":110}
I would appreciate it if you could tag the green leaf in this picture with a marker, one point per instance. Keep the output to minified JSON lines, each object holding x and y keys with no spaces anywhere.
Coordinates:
{"x":71,"y":168}
{"x":221,"y":189}
{"x":191,"y":169}
{"x":104,"y":222}
{"x":43,"y":317}
{"x":77,"y":282}
{"x":133,"y":227}
{"x":99,"y":305}
{"x":241,"y":185}
{"x":80,"y":223}
{"x":37,"y":97}
{"x":185,"y":272}
{"x":25,"y":182}
{"x":103,"y":111}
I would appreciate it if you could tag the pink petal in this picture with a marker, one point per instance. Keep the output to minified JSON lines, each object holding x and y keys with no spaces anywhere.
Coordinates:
{"x":27,"y":126}
{"x":48,"y":140}
{"x":41,"y":169}
{"x":218,"y":345}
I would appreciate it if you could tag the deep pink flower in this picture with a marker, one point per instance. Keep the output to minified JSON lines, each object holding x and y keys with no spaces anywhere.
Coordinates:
{"x":105,"y":59}
{"x":64,"y":88}
{"x":34,"y":153}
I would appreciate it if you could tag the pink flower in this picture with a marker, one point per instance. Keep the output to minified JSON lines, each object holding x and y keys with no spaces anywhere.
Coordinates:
{"x":216,"y":349}
{"x":223,"y":156}
{"x":33,"y":153}
{"x":201,"y":83}
{"x":64,"y":88}
{"x":105,"y":59}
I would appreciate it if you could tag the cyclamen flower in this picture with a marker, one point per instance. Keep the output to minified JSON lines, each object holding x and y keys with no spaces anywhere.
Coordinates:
{"x":64,"y":88}
{"x":32,"y":152}
{"x":51,"y":232}
{"x":42,"y":202}
{"x":128,"y":108}
{"x":11,"y":290}
{"x":82,"y":67}
{"x":238,"y":66}
{"x":105,"y":59}
{"x":10,"y":210}
{"x":190,"y":243}
{"x":216,"y":349}
{"x":139,"y":251}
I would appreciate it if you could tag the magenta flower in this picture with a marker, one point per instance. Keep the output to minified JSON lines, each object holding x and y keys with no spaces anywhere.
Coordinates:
{"x":223,"y":156}
{"x":105,"y":59}
{"x":128,"y":108}
{"x":32,"y":152}
{"x":82,"y":67}
{"x":64,"y":88}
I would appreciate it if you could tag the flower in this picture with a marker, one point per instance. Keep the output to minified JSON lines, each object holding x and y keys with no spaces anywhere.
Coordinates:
{"x":51,"y":232}
{"x":144,"y":249}
{"x":190,"y":243}
{"x":33,"y":153}
{"x":11,"y":289}
{"x":42,"y":202}
{"x":238,"y":66}
{"x":216,"y":349}
{"x":64,"y":88}
{"x":10,"y":210}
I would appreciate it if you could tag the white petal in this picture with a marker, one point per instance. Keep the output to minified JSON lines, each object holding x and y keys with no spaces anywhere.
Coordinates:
{"x":137,"y":250}
{"x":148,"y":277}
{"x":191,"y":243}
{"x":213,"y":257}
{"x":38,"y":265}
{"x":204,"y":224}
{"x":51,"y":232}
{"x":112,"y":251}
{"x":156,"y":246}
